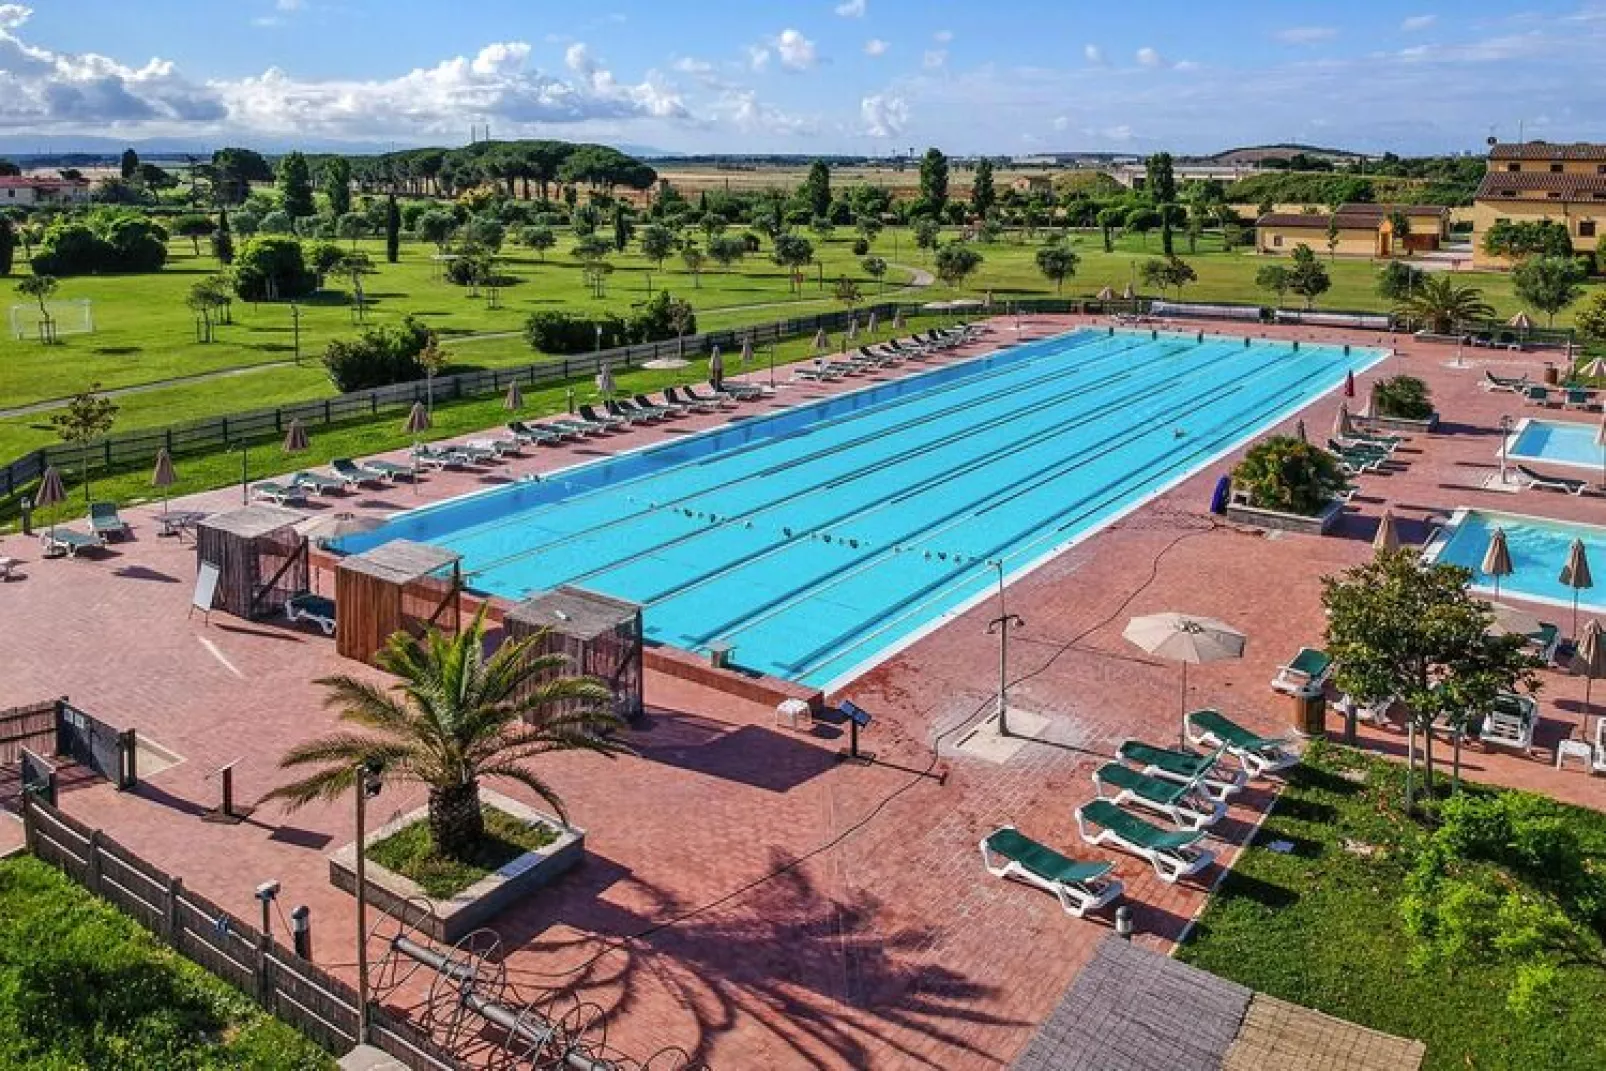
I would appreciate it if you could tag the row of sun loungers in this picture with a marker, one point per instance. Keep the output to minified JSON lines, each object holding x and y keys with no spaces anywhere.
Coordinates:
{"x":1188,"y":788}
{"x":888,"y":354}
{"x":1565,"y":397}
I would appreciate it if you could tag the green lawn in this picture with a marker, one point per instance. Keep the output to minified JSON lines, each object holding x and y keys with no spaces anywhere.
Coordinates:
{"x":1321,"y":926}
{"x":83,"y":986}
{"x":408,"y":852}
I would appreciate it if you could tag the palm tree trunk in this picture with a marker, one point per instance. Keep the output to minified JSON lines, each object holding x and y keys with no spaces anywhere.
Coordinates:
{"x":456,"y":822}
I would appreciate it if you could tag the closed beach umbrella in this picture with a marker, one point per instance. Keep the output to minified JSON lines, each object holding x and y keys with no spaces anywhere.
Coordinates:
{"x":853,"y":329}
{"x":747,"y":351}
{"x":872,"y":325}
{"x":1521,"y":322}
{"x":295,"y":438}
{"x":1595,"y":369}
{"x":163,"y":475}
{"x":716,"y":369}
{"x":51,"y":493}
{"x":515,"y":398}
{"x":1589,"y":660}
{"x":417,"y":419}
{"x":1129,"y":293}
{"x":1299,"y":431}
{"x":1497,"y":559}
{"x":1575,"y":574}
{"x":1388,"y":534}
{"x":1107,"y":294}
{"x":1342,"y":428}
{"x":605,"y":384}
{"x":1184,"y":638}
{"x":820,"y":341}
{"x":897,"y":320}
{"x":1349,"y":384}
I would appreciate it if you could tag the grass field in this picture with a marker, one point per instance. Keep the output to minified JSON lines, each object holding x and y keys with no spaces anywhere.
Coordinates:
{"x":83,"y":986}
{"x":1321,"y":926}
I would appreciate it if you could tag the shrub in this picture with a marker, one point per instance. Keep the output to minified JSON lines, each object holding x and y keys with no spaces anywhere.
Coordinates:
{"x":562,"y":332}
{"x":378,"y":357}
{"x":103,"y":241}
{"x":267,"y":269}
{"x":657,"y":320}
{"x":861,"y":247}
{"x":468,"y":269}
{"x":1289,"y":475}
{"x":322,"y":257}
{"x":1403,"y":396}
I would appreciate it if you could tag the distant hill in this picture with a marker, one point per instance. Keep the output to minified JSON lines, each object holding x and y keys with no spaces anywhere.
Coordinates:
{"x":1255,"y":154}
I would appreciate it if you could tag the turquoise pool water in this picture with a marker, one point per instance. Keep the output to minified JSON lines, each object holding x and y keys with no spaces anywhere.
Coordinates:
{"x":1560,"y":442}
{"x":1538,"y":551}
{"x":816,"y":538}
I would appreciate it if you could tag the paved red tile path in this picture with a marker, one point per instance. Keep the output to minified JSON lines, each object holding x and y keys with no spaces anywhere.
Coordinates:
{"x":746,"y":896}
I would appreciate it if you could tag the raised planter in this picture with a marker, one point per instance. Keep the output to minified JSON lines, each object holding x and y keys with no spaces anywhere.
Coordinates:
{"x":1405,"y":424}
{"x":1276,"y":521}
{"x":476,"y":905}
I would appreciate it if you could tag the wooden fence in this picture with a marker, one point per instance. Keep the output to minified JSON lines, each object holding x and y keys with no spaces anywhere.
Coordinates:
{"x":297,"y":991}
{"x":127,"y":450}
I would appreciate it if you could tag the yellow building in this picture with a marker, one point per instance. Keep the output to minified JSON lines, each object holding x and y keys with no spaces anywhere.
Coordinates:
{"x":1536,"y":180}
{"x":1364,"y":230}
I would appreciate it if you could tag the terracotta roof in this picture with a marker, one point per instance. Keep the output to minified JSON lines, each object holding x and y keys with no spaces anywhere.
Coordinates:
{"x":1544,"y":150}
{"x":1500,"y":185}
{"x":25,"y":181}
{"x":1300,"y":221}
{"x":1379,"y":211}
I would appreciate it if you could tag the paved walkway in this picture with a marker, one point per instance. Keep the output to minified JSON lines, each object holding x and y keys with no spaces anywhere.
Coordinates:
{"x":746,"y":896}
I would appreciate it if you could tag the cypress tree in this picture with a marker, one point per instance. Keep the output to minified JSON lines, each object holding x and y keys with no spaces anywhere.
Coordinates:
{"x":8,"y":245}
{"x":223,"y":240}
{"x":392,"y":230}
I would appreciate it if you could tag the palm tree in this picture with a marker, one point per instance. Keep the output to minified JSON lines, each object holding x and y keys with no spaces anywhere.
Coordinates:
{"x":456,"y":716}
{"x":1440,"y":304}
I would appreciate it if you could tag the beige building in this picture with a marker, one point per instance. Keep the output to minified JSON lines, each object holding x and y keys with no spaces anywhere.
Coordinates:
{"x":1536,"y":180}
{"x":1364,"y":230}
{"x":26,"y":191}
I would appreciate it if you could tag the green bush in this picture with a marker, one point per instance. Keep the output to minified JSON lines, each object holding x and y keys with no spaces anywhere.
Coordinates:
{"x":1405,"y":397}
{"x":102,"y":241}
{"x":564,"y":333}
{"x":378,"y":357}
{"x":268,"y":269}
{"x":1288,"y":475}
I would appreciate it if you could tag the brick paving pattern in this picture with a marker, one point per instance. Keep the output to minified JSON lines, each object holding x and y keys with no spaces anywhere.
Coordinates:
{"x":1284,"y":1036}
{"x":882,"y":943}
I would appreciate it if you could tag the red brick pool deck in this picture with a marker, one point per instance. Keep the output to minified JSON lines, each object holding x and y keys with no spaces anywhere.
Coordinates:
{"x":879,"y":941}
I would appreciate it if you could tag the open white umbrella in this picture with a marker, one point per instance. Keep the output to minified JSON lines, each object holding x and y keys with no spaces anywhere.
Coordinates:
{"x":163,"y":475}
{"x":515,"y":398}
{"x":1106,"y":294}
{"x":295,"y":438}
{"x":1388,"y":534}
{"x":1497,"y":559}
{"x":1595,"y":369}
{"x":327,"y":529}
{"x":1184,"y":638}
{"x":1575,"y":574}
{"x":51,"y":493}
{"x":716,"y":369}
{"x":605,"y":385}
{"x":1589,"y":660}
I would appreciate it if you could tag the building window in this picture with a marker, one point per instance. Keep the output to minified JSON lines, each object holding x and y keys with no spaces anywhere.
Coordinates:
{"x":1586,"y":228}
{"x":1555,"y":169}
{"x":1600,"y":169}
{"x":1277,"y":240}
{"x":1513,"y":167}
{"x":1508,"y":193}
{"x":1554,"y":195}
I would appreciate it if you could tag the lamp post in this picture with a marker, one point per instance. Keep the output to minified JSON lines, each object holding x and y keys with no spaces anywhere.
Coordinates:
{"x":1505,"y":439}
{"x":368,"y":784}
{"x":295,"y":330}
{"x":1000,"y":626}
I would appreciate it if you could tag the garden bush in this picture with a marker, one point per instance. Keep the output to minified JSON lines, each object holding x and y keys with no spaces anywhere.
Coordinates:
{"x":100,"y":242}
{"x":1405,"y":397}
{"x":564,"y":332}
{"x":268,"y":269}
{"x":378,"y":357}
{"x":1289,"y":475}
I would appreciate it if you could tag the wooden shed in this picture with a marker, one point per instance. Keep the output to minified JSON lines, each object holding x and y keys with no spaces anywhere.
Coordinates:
{"x":400,"y":586}
{"x":600,"y":635}
{"x":260,"y":557}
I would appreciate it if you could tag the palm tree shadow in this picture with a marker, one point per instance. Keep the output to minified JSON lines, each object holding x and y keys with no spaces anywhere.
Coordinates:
{"x":834,"y":981}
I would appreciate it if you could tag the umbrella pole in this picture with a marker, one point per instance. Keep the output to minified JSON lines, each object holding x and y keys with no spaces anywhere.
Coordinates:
{"x":1181,"y":732}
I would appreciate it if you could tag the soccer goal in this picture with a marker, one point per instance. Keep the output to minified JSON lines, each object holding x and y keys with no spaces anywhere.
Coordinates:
{"x":61,"y":318}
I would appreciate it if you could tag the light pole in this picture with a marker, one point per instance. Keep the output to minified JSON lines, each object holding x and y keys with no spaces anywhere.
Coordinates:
{"x":295,"y":330}
{"x":368,"y":784}
{"x":1000,"y":626}
{"x":1505,"y":438}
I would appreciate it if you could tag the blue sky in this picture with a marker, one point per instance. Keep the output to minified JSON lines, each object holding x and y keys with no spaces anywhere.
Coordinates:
{"x":816,"y":76}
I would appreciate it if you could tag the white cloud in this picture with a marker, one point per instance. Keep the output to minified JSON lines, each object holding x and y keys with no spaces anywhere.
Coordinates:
{"x":14,"y":15}
{"x":884,"y":115}
{"x":576,"y":57}
{"x":1060,"y":122}
{"x":741,"y":109}
{"x":289,"y":5}
{"x":1305,"y":35}
{"x":1093,"y":54}
{"x":934,"y":59}
{"x":758,"y":58}
{"x":1148,"y":57}
{"x":796,"y":51}
{"x":942,"y":37}
{"x":1418,"y":22}
{"x":692,"y":65}
{"x":876,"y":47}
{"x":851,"y":9}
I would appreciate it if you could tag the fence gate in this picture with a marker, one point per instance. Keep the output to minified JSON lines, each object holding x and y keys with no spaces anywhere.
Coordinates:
{"x":108,"y":751}
{"x":23,"y":729}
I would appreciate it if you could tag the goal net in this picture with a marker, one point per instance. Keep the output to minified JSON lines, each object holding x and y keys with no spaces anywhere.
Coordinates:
{"x":65,"y":318}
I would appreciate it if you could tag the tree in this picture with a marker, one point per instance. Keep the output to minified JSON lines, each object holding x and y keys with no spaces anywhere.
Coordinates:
{"x":1162,"y":187}
{"x":934,"y":183}
{"x":223,"y":239}
{"x":1591,"y":319}
{"x":204,"y":298}
{"x":927,"y":234}
{"x":8,"y":245}
{"x":1308,"y":276}
{"x":1442,"y":304}
{"x":823,"y":228}
{"x":354,"y":266}
{"x":847,"y":291}
{"x":1536,"y":238}
{"x":657,"y":243}
{"x":1549,"y":284}
{"x":1140,"y":220}
{"x":436,"y":225}
{"x":352,"y":225}
{"x":457,"y":716}
{"x":956,"y":261}
{"x":1275,"y":279}
{"x":1397,"y":280}
{"x":40,"y":288}
{"x":1400,"y":228}
{"x":1332,"y":237}
{"x":1403,"y":629}
{"x":816,"y":192}
{"x":1057,"y":262}
{"x":392,"y":230}
{"x":623,"y":228}
{"x":539,"y":238}
{"x":85,"y":418}
{"x":1288,"y":475}
{"x":983,"y":195}
{"x":693,"y":258}
{"x":876,"y":268}
{"x":868,"y":227}
{"x":272,"y":269}
{"x":295,"y":186}
{"x":1167,"y":273}
{"x":793,"y":251}
{"x":726,"y":250}
{"x":276,"y":222}
{"x":129,"y":166}
{"x":1111,"y":220}
{"x":337,"y":185}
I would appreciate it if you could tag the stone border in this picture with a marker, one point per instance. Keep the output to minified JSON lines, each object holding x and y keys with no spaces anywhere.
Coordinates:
{"x":1406,"y":424}
{"x":1319,"y":525}
{"x":475,"y":906}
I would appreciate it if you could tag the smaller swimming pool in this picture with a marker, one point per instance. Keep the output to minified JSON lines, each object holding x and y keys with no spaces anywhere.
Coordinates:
{"x":1557,"y":442}
{"x":1538,"y":548}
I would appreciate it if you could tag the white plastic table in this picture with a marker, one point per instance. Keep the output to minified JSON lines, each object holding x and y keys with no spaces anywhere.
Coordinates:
{"x":1574,"y":749}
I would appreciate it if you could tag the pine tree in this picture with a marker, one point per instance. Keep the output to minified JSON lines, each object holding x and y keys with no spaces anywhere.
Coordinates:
{"x":130,"y":165}
{"x":392,"y":230}
{"x":8,"y":245}
{"x":982,"y":193}
{"x":934,"y":182}
{"x":295,"y":186}
{"x":223,"y":240}
{"x":337,"y":185}
{"x":817,"y":189}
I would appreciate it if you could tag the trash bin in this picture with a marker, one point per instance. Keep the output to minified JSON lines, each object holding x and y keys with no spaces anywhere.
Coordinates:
{"x":1310,"y":714}
{"x":1552,"y":375}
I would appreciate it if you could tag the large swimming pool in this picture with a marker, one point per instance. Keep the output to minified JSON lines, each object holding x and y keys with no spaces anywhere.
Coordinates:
{"x":817,"y":539}
{"x":1538,"y":548}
